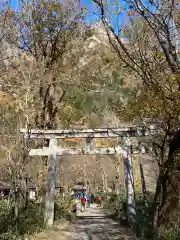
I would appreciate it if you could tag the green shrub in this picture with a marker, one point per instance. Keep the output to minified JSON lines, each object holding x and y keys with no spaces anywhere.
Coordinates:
{"x":96,"y":194}
{"x":173,"y":234}
{"x":172,"y":231}
{"x":119,"y":205}
{"x":32,"y":219}
{"x":143,"y":221}
{"x":144,"y":217}
{"x":110,"y":201}
{"x":29,"y":220}
{"x":6,"y":216}
{"x":115,"y":203}
{"x":63,"y":209}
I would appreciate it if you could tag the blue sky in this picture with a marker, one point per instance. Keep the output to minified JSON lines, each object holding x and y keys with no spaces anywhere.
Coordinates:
{"x":14,"y":4}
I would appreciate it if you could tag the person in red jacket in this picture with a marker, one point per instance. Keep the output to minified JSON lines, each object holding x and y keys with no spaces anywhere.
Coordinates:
{"x":83,"y":203}
{"x":100,"y":200}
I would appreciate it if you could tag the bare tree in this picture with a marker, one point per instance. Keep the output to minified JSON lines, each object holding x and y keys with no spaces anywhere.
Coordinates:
{"x":16,"y":113}
{"x":47,"y":31}
{"x":147,"y":46}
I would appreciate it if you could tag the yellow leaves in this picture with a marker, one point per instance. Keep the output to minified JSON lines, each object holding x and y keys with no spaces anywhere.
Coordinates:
{"x":73,"y":140}
{"x":97,"y":142}
{"x":5,"y":98}
{"x":176,"y":77}
{"x":131,"y":13}
{"x":68,"y":110}
{"x":51,"y":7}
{"x":101,"y":143}
{"x":159,"y":55}
{"x":147,"y":105}
{"x":25,"y":57}
{"x":173,"y":77}
{"x":173,"y":81}
{"x":9,"y":13}
{"x":9,"y":100}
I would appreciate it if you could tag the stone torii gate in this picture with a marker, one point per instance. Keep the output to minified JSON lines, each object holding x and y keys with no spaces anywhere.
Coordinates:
{"x":89,"y":134}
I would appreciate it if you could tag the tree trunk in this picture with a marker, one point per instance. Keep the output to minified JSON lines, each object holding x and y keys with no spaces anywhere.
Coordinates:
{"x":166,"y":199}
{"x":168,"y":189}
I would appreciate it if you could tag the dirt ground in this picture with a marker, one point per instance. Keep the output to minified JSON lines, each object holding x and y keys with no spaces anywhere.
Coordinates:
{"x":93,"y":224}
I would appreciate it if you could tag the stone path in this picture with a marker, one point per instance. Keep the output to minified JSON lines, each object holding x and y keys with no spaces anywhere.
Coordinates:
{"x":90,"y":225}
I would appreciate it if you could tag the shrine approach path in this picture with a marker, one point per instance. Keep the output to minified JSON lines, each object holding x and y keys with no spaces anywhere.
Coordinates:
{"x":93,"y":224}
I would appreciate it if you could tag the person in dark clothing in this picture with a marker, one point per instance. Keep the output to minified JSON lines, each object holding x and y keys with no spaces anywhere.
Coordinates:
{"x":89,"y":198}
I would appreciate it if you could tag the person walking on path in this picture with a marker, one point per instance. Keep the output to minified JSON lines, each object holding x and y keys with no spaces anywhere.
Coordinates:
{"x":88,"y":196}
{"x":87,"y":200}
{"x":80,"y":194}
{"x":83,"y":203}
{"x":100,"y":200}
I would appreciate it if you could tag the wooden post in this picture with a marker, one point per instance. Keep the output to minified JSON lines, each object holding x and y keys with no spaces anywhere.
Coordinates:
{"x":89,"y":146}
{"x":121,"y":174}
{"x":129,"y":181}
{"x":89,"y":143}
{"x":50,"y":192}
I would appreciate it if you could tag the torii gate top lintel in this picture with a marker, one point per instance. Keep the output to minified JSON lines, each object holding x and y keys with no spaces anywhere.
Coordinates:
{"x":86,"y":133}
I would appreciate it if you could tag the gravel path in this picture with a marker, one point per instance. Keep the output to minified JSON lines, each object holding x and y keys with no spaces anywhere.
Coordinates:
{"x":93,"y":224}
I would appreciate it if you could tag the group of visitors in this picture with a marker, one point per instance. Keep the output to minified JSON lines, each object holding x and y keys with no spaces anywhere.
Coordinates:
{"x":84,"y":197}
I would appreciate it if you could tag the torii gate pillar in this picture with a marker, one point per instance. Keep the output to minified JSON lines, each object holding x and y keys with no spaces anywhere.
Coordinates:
{"x":129,"y":180}
{"x":51,"y":183}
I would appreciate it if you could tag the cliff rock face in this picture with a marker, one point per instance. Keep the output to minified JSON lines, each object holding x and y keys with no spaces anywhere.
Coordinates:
{"x":97,"y":41}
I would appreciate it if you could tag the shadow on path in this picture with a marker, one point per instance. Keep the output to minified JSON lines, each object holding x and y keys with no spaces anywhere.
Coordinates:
{"x":93,"y":224}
